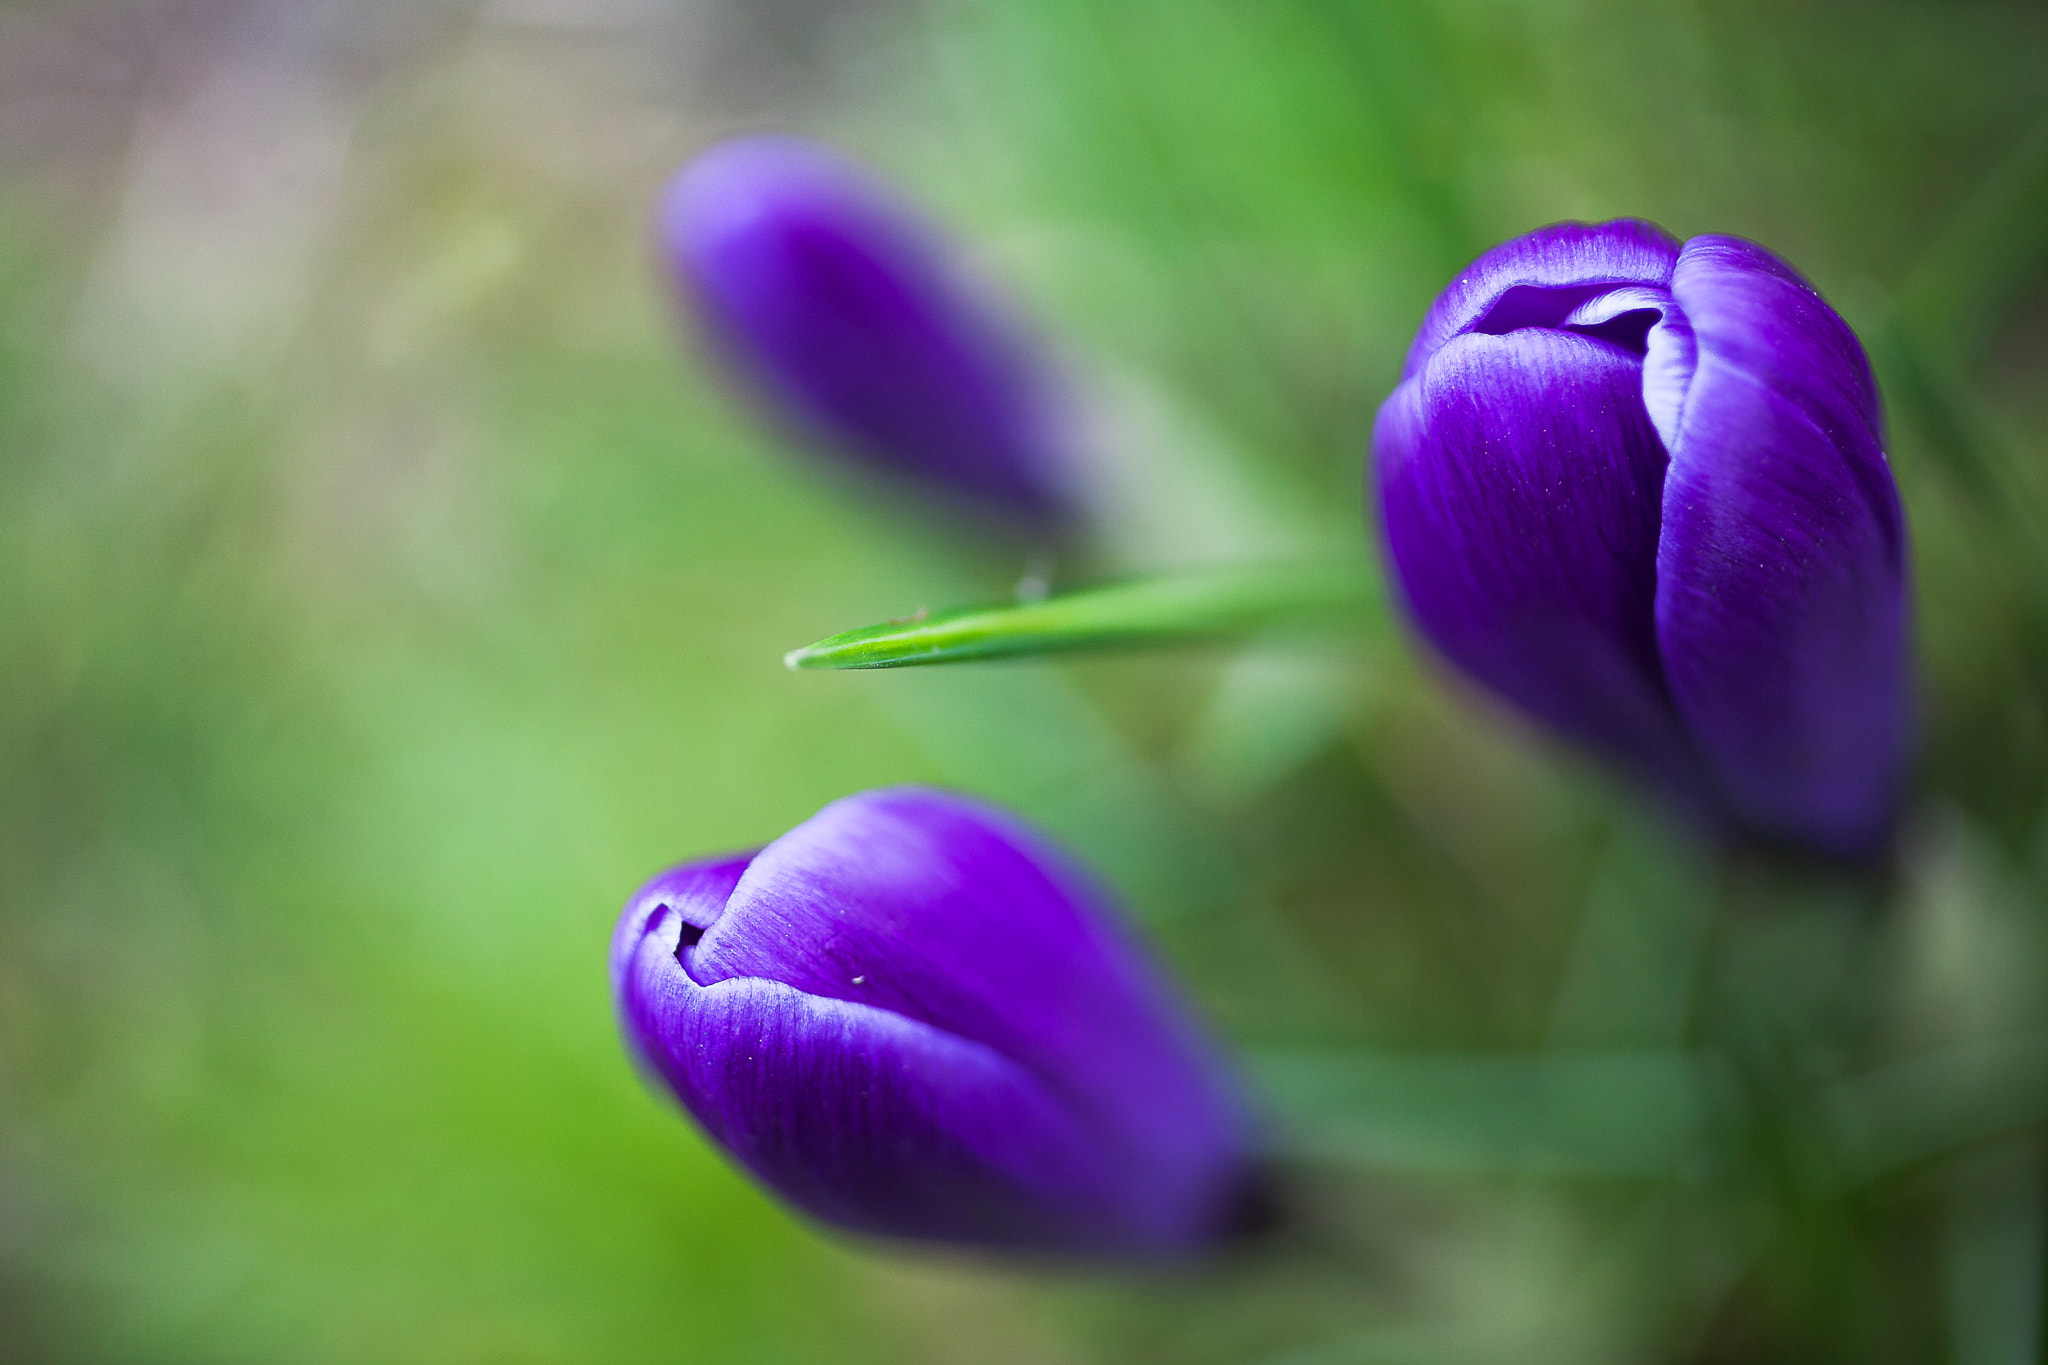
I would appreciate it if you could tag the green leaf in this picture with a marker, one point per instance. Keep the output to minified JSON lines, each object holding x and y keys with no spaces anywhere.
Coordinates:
{"x":1167,"y":609}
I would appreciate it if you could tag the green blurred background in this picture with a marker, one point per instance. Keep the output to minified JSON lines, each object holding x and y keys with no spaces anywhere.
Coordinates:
{"x":386,"y":589}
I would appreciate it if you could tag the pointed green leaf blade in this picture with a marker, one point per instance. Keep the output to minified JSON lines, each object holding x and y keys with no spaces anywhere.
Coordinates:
{"x":1160,"y":610}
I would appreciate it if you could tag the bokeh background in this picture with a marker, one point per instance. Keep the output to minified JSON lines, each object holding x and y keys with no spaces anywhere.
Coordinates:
{"x":387,"y":588}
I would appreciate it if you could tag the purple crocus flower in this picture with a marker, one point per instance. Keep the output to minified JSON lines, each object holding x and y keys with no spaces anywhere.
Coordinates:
{"x":848,"y":319}
{"x":1640,"y":490}
{"x":910,"y":1017}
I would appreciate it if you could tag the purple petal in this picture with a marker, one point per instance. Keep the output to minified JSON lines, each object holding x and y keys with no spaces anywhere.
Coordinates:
{"x":1781,"y":574}
{"x":1649,"y":323}
{"x":910,"y":1016}
{"x":697,"y":892}
{"x":948,"y":913}
{"x":872,"y":1121}
{"x":1537,"y":279}
{"x":850,"y":318}
{"x":1519,"y":479}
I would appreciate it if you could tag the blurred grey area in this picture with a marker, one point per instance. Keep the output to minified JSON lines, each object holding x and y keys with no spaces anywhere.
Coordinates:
{"x":228,"y":151}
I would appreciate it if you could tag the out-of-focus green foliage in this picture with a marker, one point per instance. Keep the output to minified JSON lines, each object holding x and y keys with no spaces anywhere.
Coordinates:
{"x":386,"y":592}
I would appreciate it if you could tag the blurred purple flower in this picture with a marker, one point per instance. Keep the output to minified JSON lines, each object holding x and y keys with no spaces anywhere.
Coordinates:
{"x":910,"y":1017}
{"x":849,"y":319}
{"x":1640,"y":490}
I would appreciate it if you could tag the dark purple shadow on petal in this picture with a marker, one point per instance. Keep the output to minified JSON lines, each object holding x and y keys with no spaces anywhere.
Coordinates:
{"x":1528,"y":305}
{"x":851,"y":319}
{"x":1781,"y":604}
{"x":872,"y":1121}
{"x":1536,"y":279}
{"x":1519,"y":482}
{"x":953,"y":915}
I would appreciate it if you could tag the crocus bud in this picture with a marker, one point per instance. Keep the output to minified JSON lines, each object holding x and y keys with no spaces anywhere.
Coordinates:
{"x":849,"y":320}
{"x":1640,"y":490}
{"x":910,"y":1017}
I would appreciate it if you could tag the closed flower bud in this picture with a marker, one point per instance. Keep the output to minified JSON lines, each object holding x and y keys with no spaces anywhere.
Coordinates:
{"x":849,"y":321}
{"x":909,"y":1017}
{"x":1640,"y":490}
